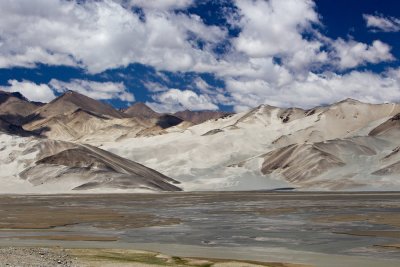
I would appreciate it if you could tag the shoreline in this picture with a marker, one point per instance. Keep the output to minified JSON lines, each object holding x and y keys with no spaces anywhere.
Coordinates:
{"x":92,"y":254}
{"x":91,"y":257}
{"x":292,"y":227}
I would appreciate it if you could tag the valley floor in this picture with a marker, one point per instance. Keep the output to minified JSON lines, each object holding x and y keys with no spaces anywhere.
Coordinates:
{"x":56,"y":256}
{"x":250,"y":228}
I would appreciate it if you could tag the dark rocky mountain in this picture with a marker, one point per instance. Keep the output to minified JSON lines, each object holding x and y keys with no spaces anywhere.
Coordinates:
{"x":14,"y":107}
{"x":9,"y":128}
{"x":141,"y":110}
{"x":197,"y":117}
{"x":71,"y":101}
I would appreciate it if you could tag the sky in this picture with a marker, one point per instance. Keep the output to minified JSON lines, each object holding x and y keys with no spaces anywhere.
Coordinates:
{"x":230,"y":55}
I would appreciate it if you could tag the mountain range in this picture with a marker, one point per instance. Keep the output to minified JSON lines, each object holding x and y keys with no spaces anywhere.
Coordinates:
{"x":78,"y":144}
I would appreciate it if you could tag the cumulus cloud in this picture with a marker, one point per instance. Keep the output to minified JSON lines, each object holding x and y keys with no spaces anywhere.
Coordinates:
{"x":155,"y":86}
{"x":45,"y":92}
{"x":32,"y":91}
{"x":176,"y":100}
{"x":96,"y":90}
{"x":204,"y":86}
{"x":100,"y":35}
{"x":277,"y":56}
{"x":317,"y":89}
{"x":263,"y":23}
{"x":275,"y":29}
{"x":381,"y":23}
{"x":352,"y":54}
{"x":158,"y":4}
{"x":106,"y":34}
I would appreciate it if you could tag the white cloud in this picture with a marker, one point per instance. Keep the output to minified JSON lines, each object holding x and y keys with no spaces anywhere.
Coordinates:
{"x":203,"y":86}
{"x":32,"y":91}
{"x":175,"y":100}
{"x":158,"y":4}
{"x":29,"y":56}
{"x":105,"y":34}
{"x":275,"y":29}
{"x":381,"y":23}
{"x":264,"y":22}
{"x":96,"y":90}
{"x":100,"y":35}
{"x":255,"y":78}
{"x":352,"y":54}
{"x":155,"y":86}
{"x":45,"y":92}
{"x":316,"y":89}
{"x":274,"y":59}
{"x":364,"y":86}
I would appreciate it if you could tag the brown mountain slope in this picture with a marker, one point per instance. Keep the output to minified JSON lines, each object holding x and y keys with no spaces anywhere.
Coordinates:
{"x":70,"y":102}
{"x":389,"y":125}
{"x":393,"y":169}
{"x":197,"y":117}
{"x":9,"y":128}
{"x":68,"y":126}
{"x":86,"y":167}
{"x":141,"y":110}
{"x":300,"y":164}
{"x":14,"y":107}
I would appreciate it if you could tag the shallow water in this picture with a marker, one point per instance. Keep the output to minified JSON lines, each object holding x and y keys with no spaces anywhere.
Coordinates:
{"x":265,"y":226}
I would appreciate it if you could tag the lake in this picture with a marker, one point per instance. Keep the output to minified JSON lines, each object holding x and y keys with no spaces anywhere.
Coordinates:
{"x":318,"y":228}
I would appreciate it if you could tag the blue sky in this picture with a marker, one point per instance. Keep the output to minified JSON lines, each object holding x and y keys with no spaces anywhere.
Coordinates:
{"x":186,"y":54}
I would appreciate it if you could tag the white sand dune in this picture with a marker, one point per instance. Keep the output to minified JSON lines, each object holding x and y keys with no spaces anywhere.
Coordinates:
{"x":348,"y":145}
{"x":326,"y":148}
{"x":32,"y":165}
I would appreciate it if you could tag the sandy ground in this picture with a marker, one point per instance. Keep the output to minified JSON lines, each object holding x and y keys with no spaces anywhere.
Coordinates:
{"x":49,"y":257}
{"x":35,"y":257}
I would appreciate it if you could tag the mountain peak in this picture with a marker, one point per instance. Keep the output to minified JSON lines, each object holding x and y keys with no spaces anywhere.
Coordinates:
{"x":200,"y":116}
{"x":71,"y":93}
{"x":70,"y":101}
{"x":5,"y":95}
{"x":141,"y":110}
{"x":350,"y":101}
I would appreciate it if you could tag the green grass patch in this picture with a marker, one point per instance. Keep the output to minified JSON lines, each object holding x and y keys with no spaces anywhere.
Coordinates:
{"x":135,"y":257}
{"x":147,"y":258}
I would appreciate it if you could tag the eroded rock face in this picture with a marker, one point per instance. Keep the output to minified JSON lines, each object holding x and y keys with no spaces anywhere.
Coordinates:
{"x":391,"y":125}
{"x":9,"y":128}
{"x":197,"y":117}
{"x":301,"y":163}
{"x":59,"y":166}
{"x":298,"y":163}
{"x":392,"y":169}
{"x":14,"y":107}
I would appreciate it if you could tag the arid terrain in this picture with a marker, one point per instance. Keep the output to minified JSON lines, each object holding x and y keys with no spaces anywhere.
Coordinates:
{"x":76,"y":144}
{"x":199,"y":133}
{"x":55,"y":256}
{"x":53,"y":154}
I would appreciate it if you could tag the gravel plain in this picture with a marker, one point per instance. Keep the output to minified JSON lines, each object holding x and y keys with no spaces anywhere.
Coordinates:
{"x":36,"y":257}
